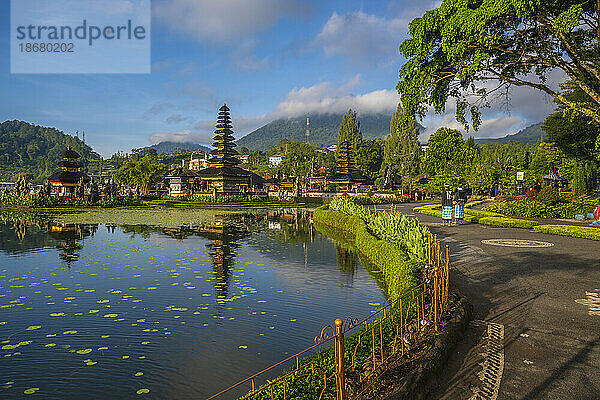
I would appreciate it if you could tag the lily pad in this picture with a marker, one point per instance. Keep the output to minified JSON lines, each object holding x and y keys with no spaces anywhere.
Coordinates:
{"x":84,"y":351}
{"x":139,"y":373}
{"x":143,"y":391}
{"x":31,"y":390}
{"x":33,"y":327}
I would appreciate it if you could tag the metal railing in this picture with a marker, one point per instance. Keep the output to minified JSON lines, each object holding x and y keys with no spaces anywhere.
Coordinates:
{"x":362,"y":349}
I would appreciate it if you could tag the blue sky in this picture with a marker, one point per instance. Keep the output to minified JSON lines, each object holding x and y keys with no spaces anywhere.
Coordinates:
{"x":266,"y":59}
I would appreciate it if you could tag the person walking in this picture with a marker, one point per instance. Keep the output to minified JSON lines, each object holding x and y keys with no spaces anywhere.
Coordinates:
{"x":460,"y":196}
{"x":447,"y":204}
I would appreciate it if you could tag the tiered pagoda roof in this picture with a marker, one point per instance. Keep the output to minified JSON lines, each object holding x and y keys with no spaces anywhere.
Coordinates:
{"x":224,"y":154}
{"x":70,"y":169}
{"x":345,"y":169}
{"x":224,"y":161}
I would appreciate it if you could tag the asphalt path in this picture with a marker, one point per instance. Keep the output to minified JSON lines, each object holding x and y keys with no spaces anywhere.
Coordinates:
{"x":541,"y":304}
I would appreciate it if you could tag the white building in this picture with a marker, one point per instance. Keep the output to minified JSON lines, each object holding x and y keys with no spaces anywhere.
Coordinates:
{"x":275,"y":160}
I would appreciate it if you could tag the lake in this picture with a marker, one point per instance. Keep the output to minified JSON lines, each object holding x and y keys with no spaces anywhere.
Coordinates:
{"x":166,"y":311}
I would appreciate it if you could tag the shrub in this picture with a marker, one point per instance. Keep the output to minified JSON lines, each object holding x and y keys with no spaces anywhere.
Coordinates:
{"x":394,"y":227}
{"x":504,"y":222}
{"x":548,"y":195}
{"x":584,"y":232}
{"x":528,"y":208}
{"x":531,"y":194}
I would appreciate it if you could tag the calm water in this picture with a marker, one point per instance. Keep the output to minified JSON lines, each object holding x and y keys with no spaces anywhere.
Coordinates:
{"x":97,"y":311}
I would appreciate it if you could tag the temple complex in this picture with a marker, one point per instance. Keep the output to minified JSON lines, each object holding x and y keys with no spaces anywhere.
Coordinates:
{"x":70,"y":181}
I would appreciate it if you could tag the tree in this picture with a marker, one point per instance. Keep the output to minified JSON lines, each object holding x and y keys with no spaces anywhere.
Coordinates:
{"x":546,"y":153}
{"x":455,"y":49}
{"x":350,"y":131}
{"x":402,"y":148}
{"x":445,"y":153}
{"x":576,"y":136}
{"x":370,"y":156}
{"x":142,"y":174}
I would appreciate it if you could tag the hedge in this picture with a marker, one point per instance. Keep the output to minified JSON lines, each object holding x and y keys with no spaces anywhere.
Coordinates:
{"x":504,"y":222}
{"x":529,"y":208}
{"x":397,"y":269}
{"x":584,"y":232}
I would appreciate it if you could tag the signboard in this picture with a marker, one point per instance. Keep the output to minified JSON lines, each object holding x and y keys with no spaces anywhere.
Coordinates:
{"x":520,"y":176}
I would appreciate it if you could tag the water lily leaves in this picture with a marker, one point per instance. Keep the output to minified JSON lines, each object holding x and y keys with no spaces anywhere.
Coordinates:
{"x":145,"y":342}
{"x":102,"y":348}
{"x":33,"y":327}
{"x":50,"y":345}
{"x":374,"y":304}
{"x":102,"y":301}
{"x":84,"y":351}
{"x":139,"y":373}
{"x":125,"y":357}
{"x":143,"y":391}
{"x":69,"y":332}
{"x":31,"y":390}
{"x":91,"y":363}
{"x":111,"y":315}
{"x":59,"y":314}
{"x":105,"y":336}
{"x":51,"y":335}
{"x":93,"y":311}
{"x":243,"y":347}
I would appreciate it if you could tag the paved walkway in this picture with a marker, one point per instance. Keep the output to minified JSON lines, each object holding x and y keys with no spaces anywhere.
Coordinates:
{"x":536,"y":333}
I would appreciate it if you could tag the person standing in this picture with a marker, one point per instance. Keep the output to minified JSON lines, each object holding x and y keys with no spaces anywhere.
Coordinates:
{"x":447,"y":204}
{"x":460,"y":196}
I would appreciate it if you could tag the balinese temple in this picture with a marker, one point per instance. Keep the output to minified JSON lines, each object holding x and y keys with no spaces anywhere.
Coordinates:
{"x":224,"y":176}
{"x":70,"y":180}
{"x":347,"y":176}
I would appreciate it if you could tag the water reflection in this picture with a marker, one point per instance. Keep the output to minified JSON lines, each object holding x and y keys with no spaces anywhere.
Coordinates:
{"x":195,"y":308}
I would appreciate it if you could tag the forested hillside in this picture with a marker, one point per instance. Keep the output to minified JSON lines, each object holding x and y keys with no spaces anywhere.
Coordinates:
{"x":323,"y":130}
{"x":35,"y":149}
{"x":530,"y":135}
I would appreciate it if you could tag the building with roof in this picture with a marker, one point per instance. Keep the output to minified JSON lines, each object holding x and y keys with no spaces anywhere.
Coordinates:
{"x":69,"y":181}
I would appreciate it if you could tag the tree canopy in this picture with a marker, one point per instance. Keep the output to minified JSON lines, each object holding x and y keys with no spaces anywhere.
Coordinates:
{"x":402,"y":146}
{"x":458,"y":49}
{"x":142,"y":173}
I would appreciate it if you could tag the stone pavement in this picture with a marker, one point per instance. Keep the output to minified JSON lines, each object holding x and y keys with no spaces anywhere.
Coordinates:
{"x":536,"y":333}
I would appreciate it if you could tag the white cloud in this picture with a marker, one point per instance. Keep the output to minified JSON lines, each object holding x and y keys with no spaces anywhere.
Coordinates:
{"x":317,"y":99}
{"x":225,"y":21}
{"x":364,"y":38}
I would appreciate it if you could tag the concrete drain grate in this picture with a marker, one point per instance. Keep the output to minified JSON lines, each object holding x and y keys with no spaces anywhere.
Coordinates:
{"x":493,"y":365}
{"x":516,"y":243}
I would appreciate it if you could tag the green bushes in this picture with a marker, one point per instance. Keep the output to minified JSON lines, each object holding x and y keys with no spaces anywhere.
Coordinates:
{"x":51,"y":201}
{"x":394,"y":227}
{"x":548,"y":195}
{"x":504,"y":222}
{"x":397,"y":268}
{"x":533,"y":208}
{"x":584,"y":232}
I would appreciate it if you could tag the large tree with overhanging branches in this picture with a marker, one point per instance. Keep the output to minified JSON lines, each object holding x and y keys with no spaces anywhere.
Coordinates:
{"x":470,"y":49}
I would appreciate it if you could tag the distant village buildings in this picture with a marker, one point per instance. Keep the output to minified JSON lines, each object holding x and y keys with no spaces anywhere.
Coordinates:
{"x":276,"y":160}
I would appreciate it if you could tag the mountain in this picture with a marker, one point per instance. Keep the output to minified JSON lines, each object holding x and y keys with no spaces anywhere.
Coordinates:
{"x":529,"y":135}
{"x":172,"y":147}
{"x":323,"y":130}
{"x":35,"y":149}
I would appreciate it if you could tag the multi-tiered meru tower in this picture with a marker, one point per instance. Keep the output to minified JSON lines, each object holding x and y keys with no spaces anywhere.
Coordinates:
{"x":223,"y":176}
{"x":346,"y":175}
{"x":224,"y":154}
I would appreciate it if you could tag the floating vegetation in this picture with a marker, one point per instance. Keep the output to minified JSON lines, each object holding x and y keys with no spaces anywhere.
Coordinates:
{"x":31,"y":390}
{"x":149,"y":289}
